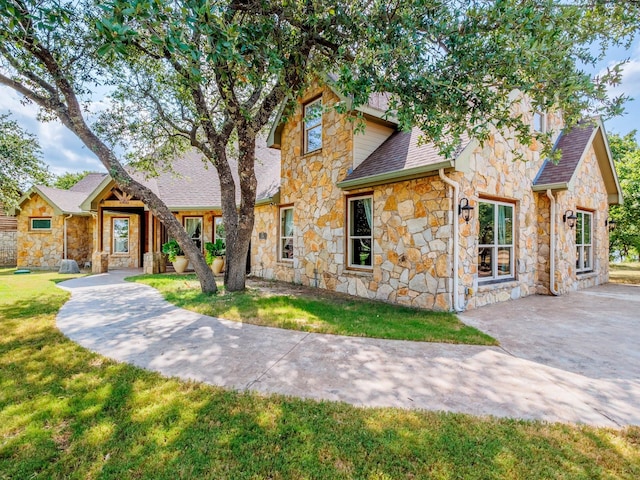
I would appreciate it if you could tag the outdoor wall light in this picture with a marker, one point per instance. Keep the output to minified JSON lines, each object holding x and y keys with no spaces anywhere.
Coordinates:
{"x":570,"y":218}
{"x":464,"y":209}
{"x":610,"y":223}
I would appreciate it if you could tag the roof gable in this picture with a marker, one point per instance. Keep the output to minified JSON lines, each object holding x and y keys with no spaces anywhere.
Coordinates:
{"x":574,"y":145}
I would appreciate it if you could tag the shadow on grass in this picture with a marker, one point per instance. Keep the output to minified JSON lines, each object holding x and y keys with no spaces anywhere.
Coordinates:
{"x":69,"y":413}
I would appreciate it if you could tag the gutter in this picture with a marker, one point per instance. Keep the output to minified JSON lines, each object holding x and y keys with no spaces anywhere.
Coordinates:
{"x":552,"y":245}
{"x":395,"y":176}
{"x":64,"y":221}
{"x":456,"y":240}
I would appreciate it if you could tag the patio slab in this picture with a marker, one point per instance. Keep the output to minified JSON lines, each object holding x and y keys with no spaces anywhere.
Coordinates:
{"x":575,"y":364}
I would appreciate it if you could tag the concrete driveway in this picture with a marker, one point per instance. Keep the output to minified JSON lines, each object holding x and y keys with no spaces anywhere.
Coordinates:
{"x":568,"y":359}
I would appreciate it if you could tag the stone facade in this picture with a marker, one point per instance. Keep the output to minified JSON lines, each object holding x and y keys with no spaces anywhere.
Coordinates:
{"x":131,"y":259}
{"x":413,"y":221}
{"x":8,"y":248}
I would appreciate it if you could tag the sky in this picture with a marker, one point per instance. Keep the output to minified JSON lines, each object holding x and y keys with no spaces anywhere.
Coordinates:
{"x":63,"y":152}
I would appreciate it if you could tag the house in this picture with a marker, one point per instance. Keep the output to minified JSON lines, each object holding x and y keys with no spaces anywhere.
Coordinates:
{"x":376,"y":214}
{"x":380,"y":215}
{"x":8,"y":238}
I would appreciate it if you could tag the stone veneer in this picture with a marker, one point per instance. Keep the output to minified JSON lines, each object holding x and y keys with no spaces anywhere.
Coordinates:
{"x":413,"y":221}
{"x":8,"y":248}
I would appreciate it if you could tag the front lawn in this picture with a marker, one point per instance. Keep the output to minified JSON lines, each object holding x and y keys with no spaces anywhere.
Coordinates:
{"x":68,"y":413}
{"x":625,"y":273}
{"x":312,"y":310}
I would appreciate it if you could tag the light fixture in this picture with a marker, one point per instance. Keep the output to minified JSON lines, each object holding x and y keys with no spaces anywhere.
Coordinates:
{"x":464,"y":209}
{"x":569,"y":218}
{"x":609,"y":222}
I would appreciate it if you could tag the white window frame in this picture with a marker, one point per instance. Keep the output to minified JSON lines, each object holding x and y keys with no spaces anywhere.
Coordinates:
{"x":580,"y":264}
{"x":285,"y":238}
{"x":539,"y":121}
{"x":114,"y":238}
{"x":495,"y":246}
{"x":40,"y":229}
{"x":307,"y":128}
{"x":201,"y":237}
{"x":350,"y":237}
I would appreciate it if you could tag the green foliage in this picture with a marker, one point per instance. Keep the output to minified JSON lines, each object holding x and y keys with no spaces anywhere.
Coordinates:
{"x":69,"y":179}
{"x":20,"y":162}
{"x":172,"y":250}
{"x":624,"y":240}
{"x":66,"y":412}
{"x":213,"y":250}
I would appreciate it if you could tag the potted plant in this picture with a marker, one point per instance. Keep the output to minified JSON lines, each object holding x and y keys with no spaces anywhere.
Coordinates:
{"x":214,"y":255}
{"x":175,"y":255}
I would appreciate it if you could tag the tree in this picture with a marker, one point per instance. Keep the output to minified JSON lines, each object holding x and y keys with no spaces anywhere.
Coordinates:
{"x":211,"y":74}
{"x":47,"y":54}
{"x":625,"y":238}
{"x":69,"y":179}
{"x":20,"y":162}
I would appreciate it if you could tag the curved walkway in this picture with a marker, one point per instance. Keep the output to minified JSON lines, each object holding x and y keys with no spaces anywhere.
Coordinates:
{"x":132,"y":323}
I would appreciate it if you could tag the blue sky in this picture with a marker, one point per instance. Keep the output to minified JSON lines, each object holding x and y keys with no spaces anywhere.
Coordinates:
{"x":63,"y":152}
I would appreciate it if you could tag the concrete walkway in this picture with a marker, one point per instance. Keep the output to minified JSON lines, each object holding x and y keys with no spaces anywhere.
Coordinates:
{"x":524,"y":378}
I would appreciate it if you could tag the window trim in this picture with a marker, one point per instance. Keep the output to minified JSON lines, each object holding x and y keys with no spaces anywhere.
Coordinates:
{"x":281,"y":237}
{"x":184,"y":224}
{"x":34,"y":229}
{"x":494,"y":278}
{"x":349,"y":265}
{"x":580,"y":246}
{"x":543,"y":121}
{"x":113,"y":237}
{"x":305,"y":130}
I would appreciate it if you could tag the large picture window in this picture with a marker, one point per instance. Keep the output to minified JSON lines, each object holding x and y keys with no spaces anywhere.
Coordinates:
{"x":584,"y":246}
{"x":40,"y":223}
{"x":193,"y":226}
{"x":495,"y":249}
{"x":360,"y":233}
{"x":312,"y":126}
{"x":286,"y":233}
{"x":120,"y":234}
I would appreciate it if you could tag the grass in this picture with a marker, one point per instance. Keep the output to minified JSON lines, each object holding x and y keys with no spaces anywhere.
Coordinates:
{"x":313,"y":310}
{"x":628,"y":273}
{"x":68,"y":413}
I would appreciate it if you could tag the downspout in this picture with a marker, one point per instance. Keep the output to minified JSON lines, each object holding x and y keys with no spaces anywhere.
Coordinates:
{"x":456,"y":239}
{"x":552,"y":245}
{"x":65,"y":235}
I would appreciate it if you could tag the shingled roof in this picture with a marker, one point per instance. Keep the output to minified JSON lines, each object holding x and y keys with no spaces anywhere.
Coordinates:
{"x":401,"y":155}
{"x":89,"y":182}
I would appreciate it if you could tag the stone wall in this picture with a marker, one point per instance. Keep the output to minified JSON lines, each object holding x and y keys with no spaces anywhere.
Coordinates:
{"x":122,"y":260}
{"x":39,"y":249}
{"x":8,"y":248}
{"x":79,"y":239}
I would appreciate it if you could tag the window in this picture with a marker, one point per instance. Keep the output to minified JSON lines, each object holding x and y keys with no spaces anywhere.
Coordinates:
{"x":539,"y":122}
{"x":360,"y":238}
{"x":312,"y":126}
{"x":193,"y":226}
{"x":286,"y":233}
{"x":218,"y":229}
{"x":495,"y":248}
{"x":584,"y":247}
{"x":40,"y":223}
{"x":120,"y":234}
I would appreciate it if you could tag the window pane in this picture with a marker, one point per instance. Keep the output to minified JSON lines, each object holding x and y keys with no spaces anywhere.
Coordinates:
{"x":286,"y":222}
{"x":586,"y":260}
{"x":486,"y":214}
{"x":504,"y":261}
{"x":485,"y":264}
{"x":505,"y":224}
{"x":41,"y":223}
{"x":287,"y":248}
{"x":361,"y":252}
{"x":314,"y":139}
{"x":361,"y":217}
{"x":121,"y":235}
{"x":579,"y":236}
{"x":219,"y":229}
{"x":313,"y":114}
{"x":194,"y":229}
{"x":587,"y":228}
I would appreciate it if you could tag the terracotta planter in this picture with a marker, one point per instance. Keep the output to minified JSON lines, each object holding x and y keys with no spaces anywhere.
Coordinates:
{"x":217,"y":265}
{"x":180,"y":263}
